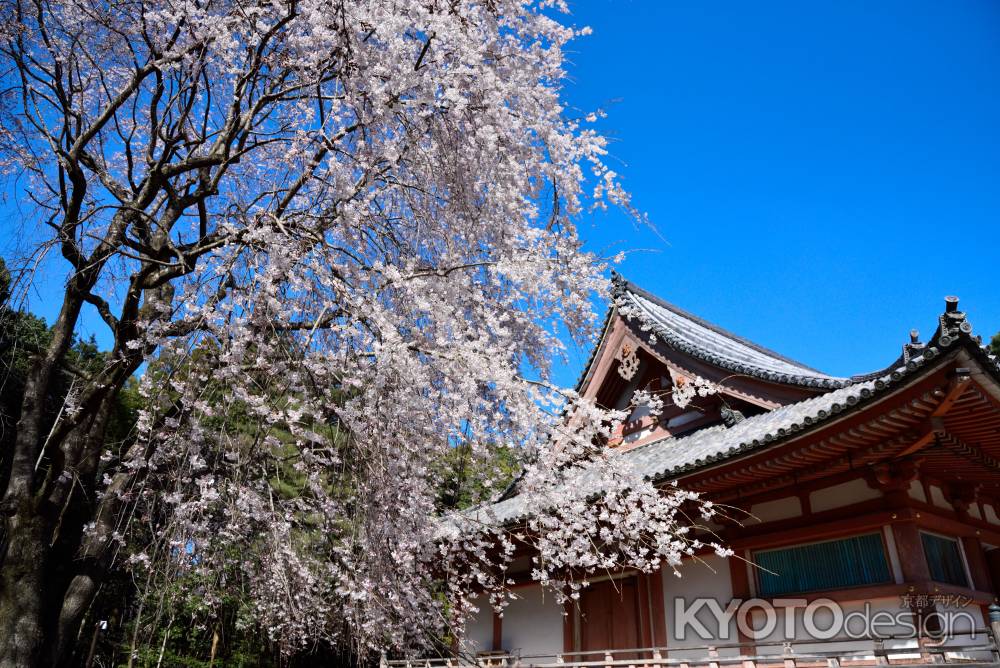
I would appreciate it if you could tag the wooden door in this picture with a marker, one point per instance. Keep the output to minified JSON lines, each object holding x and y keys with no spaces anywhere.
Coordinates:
{"x":609,"y":617}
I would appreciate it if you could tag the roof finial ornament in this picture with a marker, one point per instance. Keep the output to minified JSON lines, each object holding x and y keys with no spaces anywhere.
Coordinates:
{"x":953,"y":323}
{"x":619,"y":286}
{"x":914,"y":347}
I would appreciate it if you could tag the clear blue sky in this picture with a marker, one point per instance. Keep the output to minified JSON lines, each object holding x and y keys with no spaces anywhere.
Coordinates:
{"x":824,"y":173}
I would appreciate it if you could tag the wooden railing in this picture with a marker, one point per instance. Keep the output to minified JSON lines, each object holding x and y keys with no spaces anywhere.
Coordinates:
{"x":980,"y":650}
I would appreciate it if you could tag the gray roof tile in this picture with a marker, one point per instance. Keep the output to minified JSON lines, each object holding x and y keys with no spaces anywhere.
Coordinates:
{"x":703,"y":340}
{"x":672,"y":457}
{"x":669,"y":457}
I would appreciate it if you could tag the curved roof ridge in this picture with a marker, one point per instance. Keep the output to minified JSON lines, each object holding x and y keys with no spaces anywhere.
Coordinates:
{"x":672,"y":457}
{"x":645,"y":294}
{"x":707,"y":341}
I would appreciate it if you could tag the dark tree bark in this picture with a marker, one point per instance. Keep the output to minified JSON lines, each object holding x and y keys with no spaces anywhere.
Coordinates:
{"x":51,"y":568}
{"x":181,"y":134}
{"x":45,"y":514}
{"x":23,"y":605}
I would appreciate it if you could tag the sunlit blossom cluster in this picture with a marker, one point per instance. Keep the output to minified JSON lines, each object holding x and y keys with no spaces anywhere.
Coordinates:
{"x":375,"y":268}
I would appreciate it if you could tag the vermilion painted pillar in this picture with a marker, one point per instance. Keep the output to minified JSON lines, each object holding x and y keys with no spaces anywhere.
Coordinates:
{"x":658,"y":618}
{"x":740,"y":581}
{"x":912,"y":560}
{"x":497,"y":631}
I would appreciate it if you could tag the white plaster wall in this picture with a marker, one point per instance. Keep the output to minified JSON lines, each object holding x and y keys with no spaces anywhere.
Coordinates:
{"x":966,"y":623}
{"x":779,"y":509}
{"x":844,"y":494}
{"x":916,"y":491}
{"x":968,"y":632}
{"x":886,"y":610}
{"x":638,"y":435}
{"x":533,"y":624}
{"x":823,"y":620}
{"x":974,"y":511}
{"x":991,"y":514}
{"x":937,"y":498}
{"x":479,"y":630}
{"x":699,"y":579}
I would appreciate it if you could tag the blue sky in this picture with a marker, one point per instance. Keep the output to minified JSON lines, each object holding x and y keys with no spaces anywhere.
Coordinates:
{"x":823,"y":173}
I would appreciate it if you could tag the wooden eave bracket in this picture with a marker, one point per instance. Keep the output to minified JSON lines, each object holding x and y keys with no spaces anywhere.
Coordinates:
{"x":956,"y":387}
{"x":934,"y":427}
{"x":892,"y":475}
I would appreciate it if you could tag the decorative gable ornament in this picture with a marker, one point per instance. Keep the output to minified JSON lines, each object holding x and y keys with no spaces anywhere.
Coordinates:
{"x":628,"y":361}
{"x":687,"y":388}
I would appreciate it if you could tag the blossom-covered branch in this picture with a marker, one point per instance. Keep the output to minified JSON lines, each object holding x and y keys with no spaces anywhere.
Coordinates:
{"x":339,"y":239}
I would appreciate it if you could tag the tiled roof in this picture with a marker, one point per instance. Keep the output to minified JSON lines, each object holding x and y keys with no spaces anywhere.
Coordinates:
{"x":690,"y":334}
{"x":672,"y":457}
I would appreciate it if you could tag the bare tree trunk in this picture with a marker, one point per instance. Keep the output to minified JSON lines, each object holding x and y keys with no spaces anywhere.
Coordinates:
{"x":76,"y":601}
{"x":22,"y":600}
{"x":50,"y":570}
{"x":47,"y":581}
{"x":24,"y":583}
{"x":93,"y":645}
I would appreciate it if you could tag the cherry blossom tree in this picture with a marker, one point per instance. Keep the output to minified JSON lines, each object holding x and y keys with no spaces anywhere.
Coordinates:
{"x":340,"y":237}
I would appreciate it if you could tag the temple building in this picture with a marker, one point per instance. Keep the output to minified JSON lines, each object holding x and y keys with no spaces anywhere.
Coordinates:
{"x":878,"y":492}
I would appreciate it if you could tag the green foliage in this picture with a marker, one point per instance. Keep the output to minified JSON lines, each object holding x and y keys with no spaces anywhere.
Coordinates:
{"x":178,"y":627}
{"x":169,"y":614}
{"x":995,"y":344}
{"x":462,"y":476}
